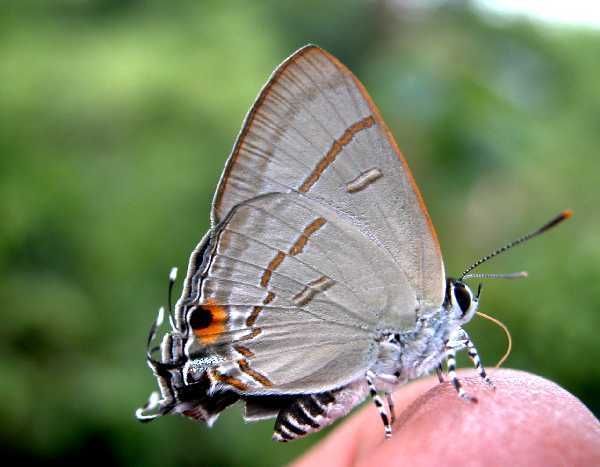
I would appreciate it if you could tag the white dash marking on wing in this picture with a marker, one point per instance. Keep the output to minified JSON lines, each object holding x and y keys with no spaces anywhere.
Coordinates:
{"x":363,"y":180}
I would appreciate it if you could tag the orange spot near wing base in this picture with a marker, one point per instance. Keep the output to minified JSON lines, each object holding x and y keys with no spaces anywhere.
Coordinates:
{"x":209,"y":321}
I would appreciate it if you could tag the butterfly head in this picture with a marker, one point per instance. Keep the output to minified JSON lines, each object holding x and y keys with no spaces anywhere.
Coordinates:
{"x":460,"y":301}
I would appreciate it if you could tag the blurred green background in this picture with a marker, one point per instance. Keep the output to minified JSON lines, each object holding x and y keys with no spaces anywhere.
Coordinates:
{"x":116,"y":118}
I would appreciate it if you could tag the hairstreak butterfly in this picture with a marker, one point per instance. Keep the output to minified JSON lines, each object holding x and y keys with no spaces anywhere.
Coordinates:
{"x":321,"y":280}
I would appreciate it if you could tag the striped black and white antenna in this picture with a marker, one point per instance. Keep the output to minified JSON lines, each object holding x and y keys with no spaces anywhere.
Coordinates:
{"x":515,"y":275}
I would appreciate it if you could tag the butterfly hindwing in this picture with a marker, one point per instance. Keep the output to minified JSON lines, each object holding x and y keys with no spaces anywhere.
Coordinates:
{"x":295,"y":306}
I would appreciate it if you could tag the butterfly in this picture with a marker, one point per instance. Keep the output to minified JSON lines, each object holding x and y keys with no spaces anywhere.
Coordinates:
{"x":321,"y":281}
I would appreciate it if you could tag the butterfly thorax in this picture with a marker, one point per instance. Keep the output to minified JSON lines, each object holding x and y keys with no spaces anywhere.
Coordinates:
{"x":407,"y":355}
{"x":412,"y":353}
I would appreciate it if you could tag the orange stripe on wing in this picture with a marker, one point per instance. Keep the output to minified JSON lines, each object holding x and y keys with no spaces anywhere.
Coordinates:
{"x":255,"y":332}
{"x":269,"y":298}
{"x":295,"y":249}
{"x":245,"y":351}
{"x":310,"y":229}
{"x":253,"y":316}
{"x":336,"y":148}
{"x":257,"y":310}
{"x":255,"y":375}
{"x":229,"y":380}
{"x":274,"y":264}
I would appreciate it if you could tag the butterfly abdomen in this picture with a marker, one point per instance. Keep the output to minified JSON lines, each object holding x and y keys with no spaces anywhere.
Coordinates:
{"x":197,"y":402}
{"x":305,"y":415}
{"x":312,"y":412}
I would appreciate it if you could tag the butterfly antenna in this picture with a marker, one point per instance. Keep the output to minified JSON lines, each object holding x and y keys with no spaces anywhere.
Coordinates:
{"x":506,"y":331}
{"x":552,"y":223}
{"x":172,"y":279}
{"x":510,"y":275}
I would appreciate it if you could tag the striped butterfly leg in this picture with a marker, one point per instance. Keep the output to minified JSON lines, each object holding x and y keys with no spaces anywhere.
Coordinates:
{"x":460,"y":341}
{"x":395,"y":379}
{"x":451,"y":363}
{"x":464,"y":341}
{"x":474,"y":356}
{"x":387,"y":420}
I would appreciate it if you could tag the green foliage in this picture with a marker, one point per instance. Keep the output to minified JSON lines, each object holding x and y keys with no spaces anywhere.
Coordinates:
{"x":117,"y":118}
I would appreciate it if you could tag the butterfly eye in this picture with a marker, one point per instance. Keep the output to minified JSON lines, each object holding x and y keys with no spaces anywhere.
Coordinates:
{"x":462,"y":296}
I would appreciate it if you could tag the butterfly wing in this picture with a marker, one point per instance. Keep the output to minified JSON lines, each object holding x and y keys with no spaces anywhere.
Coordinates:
{"x":291,"y":296}
{"x":320,"y":239}
{"x":314,"y":130}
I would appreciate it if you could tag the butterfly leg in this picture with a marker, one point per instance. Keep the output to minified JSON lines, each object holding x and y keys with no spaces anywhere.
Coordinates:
{"x":440,"y":373}
{"x":474,"y":356}
{"x":451,"y":362}
{"x":379,"y":404}
{"x":390,"y":402}
{"x":462,"y":341}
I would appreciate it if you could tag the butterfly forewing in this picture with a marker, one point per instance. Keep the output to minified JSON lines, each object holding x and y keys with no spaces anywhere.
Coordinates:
{"x":315,"y":131}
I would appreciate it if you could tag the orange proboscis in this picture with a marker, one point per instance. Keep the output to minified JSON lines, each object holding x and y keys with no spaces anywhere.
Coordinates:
{"x":506,"y":332}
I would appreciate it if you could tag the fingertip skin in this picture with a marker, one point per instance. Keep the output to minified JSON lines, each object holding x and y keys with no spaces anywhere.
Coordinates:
{"x":526,"y":421}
